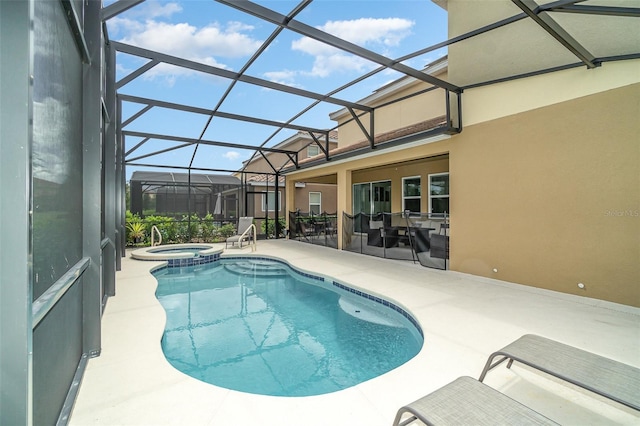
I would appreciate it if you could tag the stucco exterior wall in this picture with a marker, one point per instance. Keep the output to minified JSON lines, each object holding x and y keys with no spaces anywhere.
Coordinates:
{"x":551,"y":197}
{"x":328,"y":197}
{"x":259,"y":164}
{"x":498,"y":100}
{"x":397,"y":115}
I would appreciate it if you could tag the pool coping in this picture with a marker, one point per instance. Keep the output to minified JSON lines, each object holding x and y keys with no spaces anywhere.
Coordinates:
{"x":211,"y":253}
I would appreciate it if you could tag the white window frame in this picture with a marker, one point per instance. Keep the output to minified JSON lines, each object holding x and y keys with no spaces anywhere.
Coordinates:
{"x":264,"y":201}
{"x":317,"y":149}
{"x":431,"y":197}
{"x":410,"y":197}
{"x":315,"y":204}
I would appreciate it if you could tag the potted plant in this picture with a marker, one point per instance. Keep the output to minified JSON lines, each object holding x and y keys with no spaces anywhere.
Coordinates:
{"x":136,"y":231}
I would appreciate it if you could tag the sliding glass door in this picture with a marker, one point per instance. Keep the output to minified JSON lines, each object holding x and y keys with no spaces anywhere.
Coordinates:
{"x":371,"y":198}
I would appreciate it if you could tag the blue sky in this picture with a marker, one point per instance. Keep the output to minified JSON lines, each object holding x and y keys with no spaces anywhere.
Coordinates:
{"x":212,"y":33}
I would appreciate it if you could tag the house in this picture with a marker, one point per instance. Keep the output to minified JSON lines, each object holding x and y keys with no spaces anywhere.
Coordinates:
{"x":315,"y":196}
{"x":540,"y":177}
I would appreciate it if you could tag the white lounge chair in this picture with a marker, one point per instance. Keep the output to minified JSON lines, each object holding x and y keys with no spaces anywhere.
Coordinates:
{"x":244,"y":233}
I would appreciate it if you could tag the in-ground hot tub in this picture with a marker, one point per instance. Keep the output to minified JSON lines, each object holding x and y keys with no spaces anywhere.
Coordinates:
{"x":180,"y":254}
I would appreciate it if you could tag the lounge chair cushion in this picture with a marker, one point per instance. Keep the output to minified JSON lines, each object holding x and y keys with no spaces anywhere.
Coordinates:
{"x":244,"y":223}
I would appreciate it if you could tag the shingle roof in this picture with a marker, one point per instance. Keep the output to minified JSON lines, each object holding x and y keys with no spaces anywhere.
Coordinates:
{"x":385,"y":137}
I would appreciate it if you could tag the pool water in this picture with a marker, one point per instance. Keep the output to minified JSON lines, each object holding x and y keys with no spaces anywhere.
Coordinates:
{"x":258,"y":326}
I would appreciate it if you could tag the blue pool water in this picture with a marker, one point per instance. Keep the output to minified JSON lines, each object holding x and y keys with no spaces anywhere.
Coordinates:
{"x":256,"y":325}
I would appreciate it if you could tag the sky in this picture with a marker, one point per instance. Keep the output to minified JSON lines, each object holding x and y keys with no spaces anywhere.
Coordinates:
{"x":215,"y":34}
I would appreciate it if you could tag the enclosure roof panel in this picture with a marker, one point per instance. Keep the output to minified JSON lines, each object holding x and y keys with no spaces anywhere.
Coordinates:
{"x":172,"y":177}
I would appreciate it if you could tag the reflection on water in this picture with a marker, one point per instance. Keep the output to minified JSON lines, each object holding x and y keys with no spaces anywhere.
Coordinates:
{"x":271,"y":331}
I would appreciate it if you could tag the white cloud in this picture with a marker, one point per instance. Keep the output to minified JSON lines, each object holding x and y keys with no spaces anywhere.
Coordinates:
{"x":387,"y":31}
{"x":151,"y":9}
{"x":194,"y":43}
{"x":133,"y":19}
{"x":286,"y":77}
{"x":155,"y":9}
{"x":209,"y":45}
{"x":231,"y":155}
{"x":365,"y":32}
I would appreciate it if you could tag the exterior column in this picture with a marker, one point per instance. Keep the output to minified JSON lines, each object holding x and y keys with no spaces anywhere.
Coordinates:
{"x":290,"y":199}
{"x":344,"y":199}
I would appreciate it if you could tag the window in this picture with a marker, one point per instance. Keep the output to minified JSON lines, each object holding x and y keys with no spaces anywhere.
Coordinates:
{"x":315,"y":202}
{"x":313,"y":150}
{"x":439,"y":194}
{"x":269,"y":201}
{"x":411,"y":194}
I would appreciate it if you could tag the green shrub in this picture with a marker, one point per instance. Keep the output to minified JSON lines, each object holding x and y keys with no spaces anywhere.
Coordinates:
{"x":269,"y":228}
{"x":134,"y":228}
{"x":136,"y":231}
{"x":227,"y":230}
{"x":188,"y":230}
{"x":182,"y":231}
{"x":207,"y":229}
{"x":166,"y":225}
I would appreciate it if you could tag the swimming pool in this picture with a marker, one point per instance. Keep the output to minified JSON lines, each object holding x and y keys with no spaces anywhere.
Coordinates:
{"x":256,"y":325}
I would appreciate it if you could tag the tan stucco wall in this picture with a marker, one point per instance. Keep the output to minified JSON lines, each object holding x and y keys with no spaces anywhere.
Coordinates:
{"x":396,"y":115}
{"x":259,"y":164}
{"x":512,"y":97}
{"x":328,"y":197}
{"x":551,"y":197}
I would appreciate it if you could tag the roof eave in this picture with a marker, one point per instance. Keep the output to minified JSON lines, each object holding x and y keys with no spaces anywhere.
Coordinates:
{"x":444,"y":131}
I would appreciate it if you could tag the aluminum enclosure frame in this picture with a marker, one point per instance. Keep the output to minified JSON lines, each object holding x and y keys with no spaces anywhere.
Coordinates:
{"x":531,"y":10}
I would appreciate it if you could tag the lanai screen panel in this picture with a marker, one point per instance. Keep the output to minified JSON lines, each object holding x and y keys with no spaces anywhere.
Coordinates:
{"x":57,"y":233}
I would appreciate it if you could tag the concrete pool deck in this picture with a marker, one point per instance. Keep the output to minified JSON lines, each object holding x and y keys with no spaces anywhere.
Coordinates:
{"x":464,"y":319}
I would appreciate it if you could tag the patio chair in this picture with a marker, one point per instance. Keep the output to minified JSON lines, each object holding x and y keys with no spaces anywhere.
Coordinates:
{"x":244,"y":232}
{"x":379,"y":235}
{"x":374,"y":234}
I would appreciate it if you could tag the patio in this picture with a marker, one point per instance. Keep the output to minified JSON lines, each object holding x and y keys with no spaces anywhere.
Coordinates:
{"x":464,"y":319}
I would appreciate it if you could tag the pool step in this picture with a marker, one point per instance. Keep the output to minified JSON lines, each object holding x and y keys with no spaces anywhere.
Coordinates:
{"x":261,"y":269}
